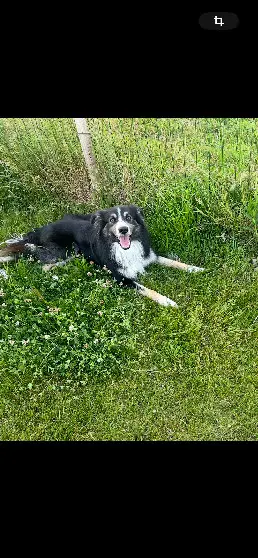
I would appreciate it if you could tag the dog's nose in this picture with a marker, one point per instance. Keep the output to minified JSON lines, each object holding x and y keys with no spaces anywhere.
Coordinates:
{"x":123,"y":230}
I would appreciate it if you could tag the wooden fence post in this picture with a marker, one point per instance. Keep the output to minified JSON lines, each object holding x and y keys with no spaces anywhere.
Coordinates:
{"x":86,"y":145}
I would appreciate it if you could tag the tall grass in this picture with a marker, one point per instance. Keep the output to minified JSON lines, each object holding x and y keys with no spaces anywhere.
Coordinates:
{"x":195,"y":174}
{"x":46,"y":155}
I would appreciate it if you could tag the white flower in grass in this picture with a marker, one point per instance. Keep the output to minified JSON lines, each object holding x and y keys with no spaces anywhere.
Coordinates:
{"x":11,"y":341}
{"x":55,"y":277}
{"x":46,"y":336}
{"x":71,"y":327}
{"x":4,"y":304}
{"x":25,"y":341}
{"x":17,"y":323}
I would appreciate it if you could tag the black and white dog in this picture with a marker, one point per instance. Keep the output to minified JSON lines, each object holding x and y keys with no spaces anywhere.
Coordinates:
{"x":116,"y":238}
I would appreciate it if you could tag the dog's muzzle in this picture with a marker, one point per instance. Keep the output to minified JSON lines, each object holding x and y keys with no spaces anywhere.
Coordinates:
{"x":124,"y":238}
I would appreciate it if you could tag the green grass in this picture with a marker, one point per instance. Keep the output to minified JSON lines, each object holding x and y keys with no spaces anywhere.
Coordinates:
{"x":83,"y":361}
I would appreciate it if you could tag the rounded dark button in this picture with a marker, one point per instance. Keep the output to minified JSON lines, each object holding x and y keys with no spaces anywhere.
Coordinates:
{"x":218,"y":21}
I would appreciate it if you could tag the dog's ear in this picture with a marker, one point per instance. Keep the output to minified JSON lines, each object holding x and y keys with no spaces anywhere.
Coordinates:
{"x":97,"y":220}
{"x":139,"y":215}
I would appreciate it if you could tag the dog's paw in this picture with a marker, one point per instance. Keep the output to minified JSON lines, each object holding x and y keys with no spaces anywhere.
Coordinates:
{"x":165,"y":301}
{"x":194,"y":269}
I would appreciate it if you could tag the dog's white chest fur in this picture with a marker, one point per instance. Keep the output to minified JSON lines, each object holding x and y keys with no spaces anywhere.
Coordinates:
{"x":131,"y":262}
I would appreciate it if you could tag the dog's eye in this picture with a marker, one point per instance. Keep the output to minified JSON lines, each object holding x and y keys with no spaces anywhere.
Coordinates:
{"x":128,"y":218}
{"x":112,"y":219}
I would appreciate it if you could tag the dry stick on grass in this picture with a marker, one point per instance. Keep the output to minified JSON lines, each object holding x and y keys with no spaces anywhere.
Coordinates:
{"x":86,"y":144}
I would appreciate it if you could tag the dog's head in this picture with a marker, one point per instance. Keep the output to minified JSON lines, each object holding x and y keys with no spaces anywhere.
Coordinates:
{"x":120,"y":224}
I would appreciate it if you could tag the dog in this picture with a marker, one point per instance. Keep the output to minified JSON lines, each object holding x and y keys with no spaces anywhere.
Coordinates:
{"x":115,"y":238}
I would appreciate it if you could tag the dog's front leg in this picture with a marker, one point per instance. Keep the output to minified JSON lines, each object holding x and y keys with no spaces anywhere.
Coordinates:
{"x":157,"y":297}
{"x":178,"y":265}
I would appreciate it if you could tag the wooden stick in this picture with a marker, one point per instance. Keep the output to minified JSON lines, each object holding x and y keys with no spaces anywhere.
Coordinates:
{"x":157,"y":297}
{"x":177,"y":265}
{"x":87,"y":149}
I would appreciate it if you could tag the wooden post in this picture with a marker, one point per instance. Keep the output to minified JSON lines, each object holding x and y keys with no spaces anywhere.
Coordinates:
{"x":85,"y":141}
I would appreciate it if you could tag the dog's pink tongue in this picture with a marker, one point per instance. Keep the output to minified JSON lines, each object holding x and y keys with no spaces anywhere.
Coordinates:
{"x":124,"y":241}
